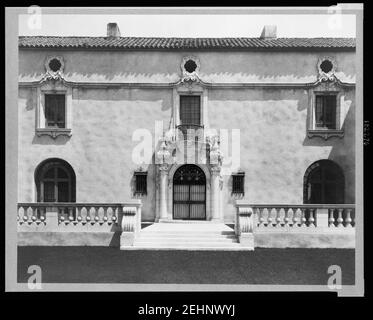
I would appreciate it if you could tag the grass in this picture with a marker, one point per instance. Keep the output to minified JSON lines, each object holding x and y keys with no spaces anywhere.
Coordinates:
{"x":111,"y":265}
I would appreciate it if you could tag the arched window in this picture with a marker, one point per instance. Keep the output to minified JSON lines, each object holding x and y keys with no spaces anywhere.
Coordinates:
{"x":55,"y":181}
{"x":324,"y":183}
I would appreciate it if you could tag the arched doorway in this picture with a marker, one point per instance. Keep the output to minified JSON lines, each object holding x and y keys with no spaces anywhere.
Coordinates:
{"x":189,"y":193}
{"x":324,"y":183}
{"x":55,"y":181}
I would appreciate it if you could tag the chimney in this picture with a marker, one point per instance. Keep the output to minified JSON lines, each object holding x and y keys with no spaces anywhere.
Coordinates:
{"x":113,"y":30}
{"x":269,"y":32}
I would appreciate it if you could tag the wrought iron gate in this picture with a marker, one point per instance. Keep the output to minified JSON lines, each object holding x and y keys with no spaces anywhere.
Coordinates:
{"x":189,"y":194}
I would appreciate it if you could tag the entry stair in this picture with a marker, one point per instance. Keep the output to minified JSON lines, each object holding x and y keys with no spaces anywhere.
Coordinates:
{"x":187,"y":235}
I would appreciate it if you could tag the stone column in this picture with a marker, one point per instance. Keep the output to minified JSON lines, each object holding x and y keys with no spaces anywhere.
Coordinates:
{"x":163,"y":191}
{"x":215,"y":188}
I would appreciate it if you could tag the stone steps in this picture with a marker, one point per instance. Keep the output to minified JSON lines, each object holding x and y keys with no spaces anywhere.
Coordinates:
{"x":187,"y":236}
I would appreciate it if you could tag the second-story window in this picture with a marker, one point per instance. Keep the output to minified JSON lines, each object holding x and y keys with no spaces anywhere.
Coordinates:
{"x":190,"y":110}
{"x":55,"y":111}
{"x":325,"y":111}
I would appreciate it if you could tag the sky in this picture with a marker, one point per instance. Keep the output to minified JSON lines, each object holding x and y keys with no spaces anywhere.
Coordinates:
{"x":189,"y":25}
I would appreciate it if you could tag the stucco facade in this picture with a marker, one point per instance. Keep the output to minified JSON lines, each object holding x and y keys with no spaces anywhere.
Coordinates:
{"x":266,"y":94}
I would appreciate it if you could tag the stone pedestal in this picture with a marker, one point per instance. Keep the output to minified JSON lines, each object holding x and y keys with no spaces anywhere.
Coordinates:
{"x":127,"y":239}
{"x":247,"y":240}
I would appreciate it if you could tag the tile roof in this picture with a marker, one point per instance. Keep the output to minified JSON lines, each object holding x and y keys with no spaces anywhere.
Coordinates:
{"x":184,"y":43}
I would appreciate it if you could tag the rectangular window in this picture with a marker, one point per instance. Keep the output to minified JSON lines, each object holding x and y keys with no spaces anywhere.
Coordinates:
{"x":190,"y":110}
{"x":238,"y":186}
{"x":325,"y":112}
{"x":140,"y":183}
{"x":55,"y":111}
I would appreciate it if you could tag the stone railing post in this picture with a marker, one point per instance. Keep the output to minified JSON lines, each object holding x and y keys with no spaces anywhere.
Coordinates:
{"x":129,"y":224}
{"x":245,"y":226}
{"x":51,"y":218}
{"x":322,"y":218}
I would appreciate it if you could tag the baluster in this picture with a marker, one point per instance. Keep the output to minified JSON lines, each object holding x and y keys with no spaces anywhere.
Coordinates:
{"x":261,"y":218}
{"x":331,"y":218}
{"x":61,"y":214}
{"x":311,"y":219}
{"x":42,"y":214}
{"x":25,"y":214}
{"x":114,"y":215}
{"x":269,"y":218}
{"x":88,"y":217}
{"x":33,"y":214}
{"x":348,"y":219}
{"x":79,"y":214}
{"x":295,"y":218}
{"x":303,"y":219}
{"x":287,"y":219}
{"x":105,"y":214}
{"x":97,"y":218}
{"x":278,"y":217}
{"x":71,"y":214}
{"x":340,"y":218}
{"x":30,"y":214}
{"x":19,"y":215}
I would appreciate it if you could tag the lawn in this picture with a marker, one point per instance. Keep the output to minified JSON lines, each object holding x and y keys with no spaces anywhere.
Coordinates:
{"x":111,"y":265}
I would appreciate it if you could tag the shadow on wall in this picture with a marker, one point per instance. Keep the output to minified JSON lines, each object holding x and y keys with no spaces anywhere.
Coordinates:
{"x":148,"y":199}
{"x":261,"y":95}
{"x":109,"y":65}
{"x":125,"y":95}
{"x":342,"y":151}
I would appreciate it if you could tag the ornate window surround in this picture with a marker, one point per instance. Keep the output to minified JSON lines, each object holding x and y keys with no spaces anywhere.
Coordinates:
{"x":325,"y":88}
{"x":190,"y":89}
{"x":53,"y":87}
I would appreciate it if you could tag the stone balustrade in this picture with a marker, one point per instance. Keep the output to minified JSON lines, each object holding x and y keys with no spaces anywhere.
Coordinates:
{"x":254,"y":220}
{"x":75,"y":217}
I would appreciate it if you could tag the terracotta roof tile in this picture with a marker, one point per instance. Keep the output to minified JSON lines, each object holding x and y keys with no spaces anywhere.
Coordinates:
{"x":184,"y":43}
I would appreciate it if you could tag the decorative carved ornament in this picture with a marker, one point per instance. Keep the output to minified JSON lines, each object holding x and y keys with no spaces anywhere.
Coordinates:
{"x":129,"y":219}
{"x":164,"y":153}
{"x":54,"y":133}
{"x":190,"y":74}
{"x":245,"y":218}
{"x":216,"y":156}
{"x":326,"y":67}
{"x":325,"y":134}
{"x":54,"y":66}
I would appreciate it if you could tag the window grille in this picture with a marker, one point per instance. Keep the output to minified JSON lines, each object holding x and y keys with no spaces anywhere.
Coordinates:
{"x":55,"y":111}
{"x":238,"y":183}
{"x":325,"y":112}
